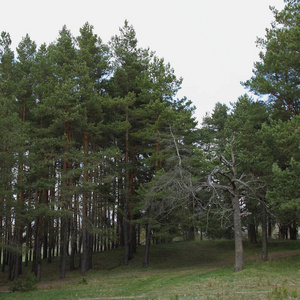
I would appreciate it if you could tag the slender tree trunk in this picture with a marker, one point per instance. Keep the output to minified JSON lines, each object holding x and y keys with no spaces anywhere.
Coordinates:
{"x":126,"y":204}
{"x":120,"y":217}
{"x":37,"y":261}
{"x":126,"y":240}
{"x":63,"y":247}
{"x":90,"y":250}
{"x":17,"y":255}
{"x":113,"y":243}
{"x":85,"y":245}
{"x":10,"y":265}
{"x":132,"y":228}
{"x":293,"y":230}
{"x":50,"y":247}
{"x":270,"y":229}
{"x":27,"y":242}
{"x":21,"y":199}
{"x":73,"y":229}
{"x":45,"y":227}
{"x":147,"y":247}
{"x":239,"y":251}
{"x":72,"y":234}
{"x":252,"y":232}
{"x":264,"y":252}
{"x":79,"y":248}
{"x":84,"y":256}
{"x":19,"y":224}
{"x":65,"y":202}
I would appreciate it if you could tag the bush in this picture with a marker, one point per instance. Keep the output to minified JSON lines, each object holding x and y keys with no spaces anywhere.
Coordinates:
{"x":83,"y":281}
{"x":27,"y":285}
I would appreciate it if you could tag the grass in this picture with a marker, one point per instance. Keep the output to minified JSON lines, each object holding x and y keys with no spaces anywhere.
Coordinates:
{"x":190,"y":270}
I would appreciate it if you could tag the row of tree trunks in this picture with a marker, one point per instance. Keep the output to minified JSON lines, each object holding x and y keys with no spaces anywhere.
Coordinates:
{"x":42,"y":242}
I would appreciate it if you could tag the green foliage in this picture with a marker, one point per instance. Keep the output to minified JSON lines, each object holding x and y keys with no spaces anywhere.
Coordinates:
{"x":281,"y":293}
{"x":212,"y":134}
{"x":21,"y":285}
{"x":93,"y":134}
{"x":83,"y":281}
{"x":284,"y":193}
{"x":277,"y":73}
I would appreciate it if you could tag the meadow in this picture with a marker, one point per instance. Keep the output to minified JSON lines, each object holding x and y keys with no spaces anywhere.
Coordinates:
{"x":182,"y":270}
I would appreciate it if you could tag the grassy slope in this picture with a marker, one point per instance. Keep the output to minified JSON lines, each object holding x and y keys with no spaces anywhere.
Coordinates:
{"x":193,"y":270}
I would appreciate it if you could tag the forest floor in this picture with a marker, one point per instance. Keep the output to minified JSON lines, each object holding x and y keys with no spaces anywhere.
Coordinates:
{"x":186,"y":270}
{"x":208,"y":267}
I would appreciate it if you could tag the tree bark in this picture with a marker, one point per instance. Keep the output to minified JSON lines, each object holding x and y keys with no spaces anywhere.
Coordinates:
{"x":264,"y":252}
{"x":67,"y":166}
{"x":126,"y":204}
{"x":239,"y":250}
{"x":147,"y":246}
{"x":63,"y":247}
{"x":85,"y":245}
{"x":252,"y":232}
{"x":126,"y":240}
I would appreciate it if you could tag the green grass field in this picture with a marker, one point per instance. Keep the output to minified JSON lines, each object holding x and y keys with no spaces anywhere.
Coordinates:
{"x":184,"y":270}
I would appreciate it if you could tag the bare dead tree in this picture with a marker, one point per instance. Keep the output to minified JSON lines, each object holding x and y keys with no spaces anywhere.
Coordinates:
{"x":225,"y":177}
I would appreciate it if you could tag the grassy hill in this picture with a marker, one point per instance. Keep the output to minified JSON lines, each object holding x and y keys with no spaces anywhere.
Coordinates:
{"x":184,"y":270}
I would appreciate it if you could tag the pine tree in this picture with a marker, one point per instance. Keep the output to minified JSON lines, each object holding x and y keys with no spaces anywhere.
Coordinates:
{"x":93,"y":67}
{"x":13,"y":137}
{"x":130,"y":64}
{"x":276,"y":75}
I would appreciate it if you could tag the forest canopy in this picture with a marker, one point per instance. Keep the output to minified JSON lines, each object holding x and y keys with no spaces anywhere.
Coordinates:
{"x":98,"y":153}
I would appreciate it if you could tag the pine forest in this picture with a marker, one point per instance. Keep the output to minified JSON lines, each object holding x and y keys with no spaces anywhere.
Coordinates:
{"x":98,"y":153}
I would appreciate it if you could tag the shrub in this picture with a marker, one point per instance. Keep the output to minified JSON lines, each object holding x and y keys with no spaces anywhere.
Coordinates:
{"x":27,"y":285}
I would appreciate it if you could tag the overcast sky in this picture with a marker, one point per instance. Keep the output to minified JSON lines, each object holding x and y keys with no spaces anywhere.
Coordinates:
{"x":211,"y":44}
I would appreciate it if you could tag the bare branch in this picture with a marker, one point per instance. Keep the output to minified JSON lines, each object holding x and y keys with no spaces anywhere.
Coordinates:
{"x":225,"y":161}
{"x":177,"y":151}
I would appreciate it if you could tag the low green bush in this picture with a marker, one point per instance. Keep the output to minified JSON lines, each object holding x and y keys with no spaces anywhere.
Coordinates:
{"x":27,"y":285}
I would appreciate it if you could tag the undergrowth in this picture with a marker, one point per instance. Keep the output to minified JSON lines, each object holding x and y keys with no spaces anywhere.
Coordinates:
{"x":24,"y":285}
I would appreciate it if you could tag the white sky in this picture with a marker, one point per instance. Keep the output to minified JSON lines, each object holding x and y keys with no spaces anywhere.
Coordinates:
{"x":211,"y":44}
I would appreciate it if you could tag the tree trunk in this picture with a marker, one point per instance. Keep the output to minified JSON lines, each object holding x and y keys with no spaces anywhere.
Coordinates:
{"x":132,"y":227}
{"x":19,"y":225}
{"x":239,"y":251}
{"x":90,"y":250}
{"x":252,"y":232}
{"x":147,"y":247}
{"x":283,"y":232}
{"x":270,"y":229}
{"x":132,"y":240}
{"x":264,"y":252}
{"x":18,"y":256}
{"x":27,"y":242}
{"x":85,"y":244}
{"x":63,"y":247}
{"x":66,"y":201}
{"x":126,"y":204}
{"x":293,"y":230}
{"x":84,"y":256}
{"x":50,"y":248}
{"x":73,"y":243}
{"x":126,"y":240}
{"x":37,"y":261}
